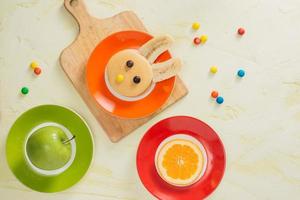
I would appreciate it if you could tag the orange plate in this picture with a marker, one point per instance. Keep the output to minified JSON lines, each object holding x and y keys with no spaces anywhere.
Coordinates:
{"x":96,"y":82}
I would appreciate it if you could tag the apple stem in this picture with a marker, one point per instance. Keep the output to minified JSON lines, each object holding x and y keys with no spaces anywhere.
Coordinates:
{"x":68,"y":140}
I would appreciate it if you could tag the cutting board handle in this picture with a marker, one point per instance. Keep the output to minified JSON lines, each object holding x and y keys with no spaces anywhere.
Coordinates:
{"x":78,"y":10}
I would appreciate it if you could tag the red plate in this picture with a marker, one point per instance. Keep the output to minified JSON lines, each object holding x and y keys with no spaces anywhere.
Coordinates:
{"x":181,"y":125}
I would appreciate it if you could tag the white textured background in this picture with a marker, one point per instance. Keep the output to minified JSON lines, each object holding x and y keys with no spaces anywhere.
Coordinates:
{"x":259,"y":122}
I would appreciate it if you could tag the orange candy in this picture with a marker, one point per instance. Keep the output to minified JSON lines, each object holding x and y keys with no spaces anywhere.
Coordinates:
{"x":241,"y":31}
{"x":37,"y":71}
{"x":214,"y":94}
{"x":197,"y":41}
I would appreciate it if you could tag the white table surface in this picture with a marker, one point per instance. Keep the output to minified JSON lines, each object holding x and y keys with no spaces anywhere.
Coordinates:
{"x":259,"y":121}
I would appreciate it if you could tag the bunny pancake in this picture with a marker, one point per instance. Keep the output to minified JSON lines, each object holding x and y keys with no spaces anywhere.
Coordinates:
{"x":131,"y":72}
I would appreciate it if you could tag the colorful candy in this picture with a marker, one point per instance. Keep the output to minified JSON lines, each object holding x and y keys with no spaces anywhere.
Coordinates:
{"x":24,"y":90}
{"x":203,"y":38}
{"x":34,"y":65}
{"x":120,"y":78}
{"x":213,"y":69}
{"x":214,"y":94}
{"x":220,"y":100}
{"x":196,"y":26}
{"x":197,"y":41}
{"x":241,"y":31}
{"x":241,"y":73}
{"x":37,"y":71}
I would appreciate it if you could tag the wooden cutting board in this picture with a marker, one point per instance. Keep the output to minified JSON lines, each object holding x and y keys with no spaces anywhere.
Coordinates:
{"x":74,"y":58}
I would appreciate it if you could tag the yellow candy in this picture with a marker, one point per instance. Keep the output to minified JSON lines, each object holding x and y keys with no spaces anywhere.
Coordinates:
{"x":203,"y":38}
{"x":120,"y":78}
{"x":34,"y":65}
{"x":213,"y":69}
{"x":196,"y":26}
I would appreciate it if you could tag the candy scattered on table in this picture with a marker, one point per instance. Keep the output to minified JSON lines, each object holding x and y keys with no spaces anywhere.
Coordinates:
{"x":120,"y":78}
{"x":196,"y":26}
{"x":24,"y":90}
{"x":241,"y":73}
{"x":213,"y":69}
{"x":214,"y":94}
{"x":203,"y":38}
{"x":37,"y":70}
{"x":34,"y":65}
{"x":197,"y":41}
{"x":220,"y":100}
{"x":241,"y":31}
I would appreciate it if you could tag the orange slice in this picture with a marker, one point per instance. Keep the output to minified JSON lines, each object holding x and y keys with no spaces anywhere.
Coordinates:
{"x":180,"y":162}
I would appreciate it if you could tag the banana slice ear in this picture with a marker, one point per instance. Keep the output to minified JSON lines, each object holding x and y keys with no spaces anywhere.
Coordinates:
{"x":156,"y":46}
{"x":165,"y":70}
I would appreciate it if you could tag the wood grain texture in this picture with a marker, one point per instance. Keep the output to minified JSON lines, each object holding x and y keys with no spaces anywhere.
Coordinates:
{"x":73,"y":60}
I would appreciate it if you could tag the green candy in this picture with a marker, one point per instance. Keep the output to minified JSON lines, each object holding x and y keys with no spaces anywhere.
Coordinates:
{"x":24,"y":90}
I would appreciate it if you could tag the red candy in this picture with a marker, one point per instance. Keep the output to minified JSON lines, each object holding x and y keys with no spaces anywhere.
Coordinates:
{"x":197,"y":41}
{"x":214,"y":94}
{"x":241,"y":31}
{"x":37,"y":71}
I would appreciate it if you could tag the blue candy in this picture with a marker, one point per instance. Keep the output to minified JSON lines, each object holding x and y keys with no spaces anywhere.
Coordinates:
{"x":220,"y":100}
{"x":241,"y":73}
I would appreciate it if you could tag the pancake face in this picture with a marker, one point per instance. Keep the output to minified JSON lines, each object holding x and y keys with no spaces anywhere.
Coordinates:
{"x":129,"y":73}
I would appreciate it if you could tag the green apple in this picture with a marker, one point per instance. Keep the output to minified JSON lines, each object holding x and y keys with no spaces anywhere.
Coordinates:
{"x":49,"y":148}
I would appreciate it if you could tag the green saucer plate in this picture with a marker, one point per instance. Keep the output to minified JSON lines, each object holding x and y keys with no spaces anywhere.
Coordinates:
{"x":15,"y":148}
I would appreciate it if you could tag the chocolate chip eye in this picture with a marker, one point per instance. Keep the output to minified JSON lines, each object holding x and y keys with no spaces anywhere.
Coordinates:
{"x":136,"y":79}
{"x":129,"y":63}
